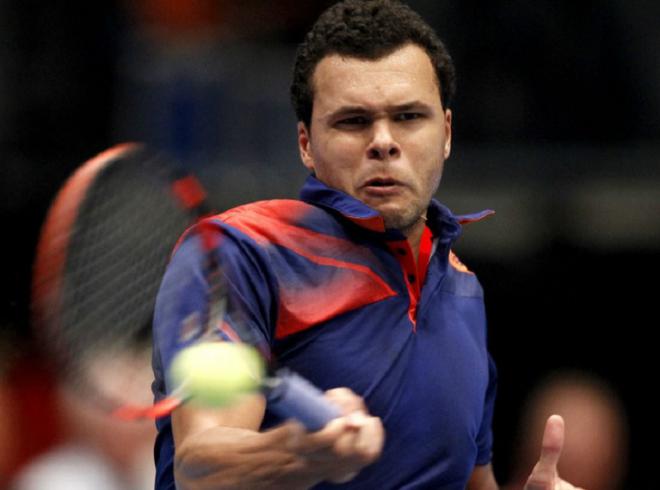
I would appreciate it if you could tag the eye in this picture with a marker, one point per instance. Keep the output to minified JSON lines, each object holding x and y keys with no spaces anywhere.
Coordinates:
{"x":408,"y":116}
{"x":353,"y":122}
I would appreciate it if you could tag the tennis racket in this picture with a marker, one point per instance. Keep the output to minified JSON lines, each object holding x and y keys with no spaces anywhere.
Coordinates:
{"x":103,"y":250}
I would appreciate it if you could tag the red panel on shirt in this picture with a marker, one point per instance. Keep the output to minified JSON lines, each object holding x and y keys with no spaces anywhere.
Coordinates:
{"x":308,"y":303}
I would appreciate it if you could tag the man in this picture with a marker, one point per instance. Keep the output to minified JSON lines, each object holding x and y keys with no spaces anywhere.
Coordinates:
{"x":354,"y":286}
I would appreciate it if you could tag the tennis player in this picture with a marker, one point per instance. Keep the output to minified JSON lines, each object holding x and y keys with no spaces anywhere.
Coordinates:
{"x":354,"y":286}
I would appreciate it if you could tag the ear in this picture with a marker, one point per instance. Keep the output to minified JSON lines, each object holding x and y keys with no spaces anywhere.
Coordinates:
{"x":304,"y":146}
{"x":446,"y":150}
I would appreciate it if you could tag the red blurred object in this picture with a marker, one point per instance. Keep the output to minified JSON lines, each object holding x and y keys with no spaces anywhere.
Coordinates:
{"x":34,"y":424}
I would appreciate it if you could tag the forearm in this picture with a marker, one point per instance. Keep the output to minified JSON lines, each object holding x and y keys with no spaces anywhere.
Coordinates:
{"x":222,"y":448}
{"x":227,"y":457}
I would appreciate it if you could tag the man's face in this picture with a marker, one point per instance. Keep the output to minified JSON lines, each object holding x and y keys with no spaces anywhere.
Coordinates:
{"x":379,"y":132}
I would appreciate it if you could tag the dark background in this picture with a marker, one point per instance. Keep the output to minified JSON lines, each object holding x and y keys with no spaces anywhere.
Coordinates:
{"x":556,"y":127}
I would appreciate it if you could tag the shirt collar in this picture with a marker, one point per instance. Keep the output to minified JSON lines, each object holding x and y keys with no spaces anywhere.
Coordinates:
{"x":440,"y":220}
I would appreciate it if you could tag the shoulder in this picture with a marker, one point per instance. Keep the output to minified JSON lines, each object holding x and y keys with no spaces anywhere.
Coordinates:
{"x":283,"y":210}
{"x":277,"y":220}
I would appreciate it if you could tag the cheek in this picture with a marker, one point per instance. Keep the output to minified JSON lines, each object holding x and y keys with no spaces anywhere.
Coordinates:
{"x":431,"y":182}
{"x":336,"y":158}
{"x":436,"y":174}
{"x":428,"y":164}
{"x":433,"y":158}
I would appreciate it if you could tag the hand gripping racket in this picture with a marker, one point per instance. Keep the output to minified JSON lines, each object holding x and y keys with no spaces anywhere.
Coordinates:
{"x":101,"y":255}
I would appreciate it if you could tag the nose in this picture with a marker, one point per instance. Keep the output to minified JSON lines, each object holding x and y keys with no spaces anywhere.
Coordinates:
{"x":383,"y":145}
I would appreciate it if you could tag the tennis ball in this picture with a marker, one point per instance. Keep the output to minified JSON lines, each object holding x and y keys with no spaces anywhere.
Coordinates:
{"x":213,"y":374}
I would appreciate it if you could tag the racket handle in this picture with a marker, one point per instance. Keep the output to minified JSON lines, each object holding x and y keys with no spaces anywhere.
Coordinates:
{"x":292,"y":396}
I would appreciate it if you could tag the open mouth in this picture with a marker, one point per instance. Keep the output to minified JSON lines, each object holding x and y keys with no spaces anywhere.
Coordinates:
{"x":381,"y":182}
{"x":382,"y":187}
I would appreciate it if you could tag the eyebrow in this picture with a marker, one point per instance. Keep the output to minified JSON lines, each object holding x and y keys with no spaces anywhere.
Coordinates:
{"x":415,"y":104}
{"x":349,"y":109}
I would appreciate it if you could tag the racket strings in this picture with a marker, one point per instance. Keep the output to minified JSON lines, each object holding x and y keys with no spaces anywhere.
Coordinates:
{"x":116,"y":254}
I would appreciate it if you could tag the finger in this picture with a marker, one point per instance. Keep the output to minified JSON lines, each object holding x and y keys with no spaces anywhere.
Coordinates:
{"x":324,"y":438}
{"x":553,"y":442}
{"x":346,"y":400}
{"x":360,"y":442}
{"x":544,"y":473}
{"x":344,"y":447}
{"x":333,"y":453}
{"x":363,"y":448}
{"x":371,"y":439}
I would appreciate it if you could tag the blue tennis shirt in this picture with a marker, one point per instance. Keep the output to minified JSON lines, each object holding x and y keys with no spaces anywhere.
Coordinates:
{"x":338,"y":299}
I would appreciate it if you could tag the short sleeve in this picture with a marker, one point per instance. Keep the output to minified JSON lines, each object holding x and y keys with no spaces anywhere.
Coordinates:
{"x":182,"y":305}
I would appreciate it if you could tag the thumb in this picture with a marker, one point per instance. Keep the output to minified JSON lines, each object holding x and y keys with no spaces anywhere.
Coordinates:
{"x":544,"y":473}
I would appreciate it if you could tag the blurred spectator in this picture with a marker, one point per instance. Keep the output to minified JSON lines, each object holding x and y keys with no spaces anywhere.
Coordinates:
{"x":99,"y":451}
{"x":596,"y":446}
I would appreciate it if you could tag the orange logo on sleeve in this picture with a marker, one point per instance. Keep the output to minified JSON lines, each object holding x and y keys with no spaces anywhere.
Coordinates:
{"x":457,"y":264}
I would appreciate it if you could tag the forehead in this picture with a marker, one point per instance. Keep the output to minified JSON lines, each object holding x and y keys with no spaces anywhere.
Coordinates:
{"x":405,"y":74}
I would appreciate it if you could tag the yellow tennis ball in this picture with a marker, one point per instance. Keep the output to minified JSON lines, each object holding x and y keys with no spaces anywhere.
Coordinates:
{"x":214,"y":374}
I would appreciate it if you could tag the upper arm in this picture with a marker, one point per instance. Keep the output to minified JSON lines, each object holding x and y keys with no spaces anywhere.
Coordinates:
{"x":182,"y":305}
{"x":482,"y":478}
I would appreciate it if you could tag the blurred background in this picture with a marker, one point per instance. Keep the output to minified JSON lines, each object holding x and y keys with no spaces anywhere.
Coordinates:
{"x":556,"y":127}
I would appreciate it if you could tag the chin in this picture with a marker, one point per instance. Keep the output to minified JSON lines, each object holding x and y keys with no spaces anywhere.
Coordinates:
{"x":403,"y":216}
{"x":400,"y":221}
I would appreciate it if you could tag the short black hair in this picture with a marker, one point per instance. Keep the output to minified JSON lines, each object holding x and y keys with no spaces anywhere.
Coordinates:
{"x":366,"y":29}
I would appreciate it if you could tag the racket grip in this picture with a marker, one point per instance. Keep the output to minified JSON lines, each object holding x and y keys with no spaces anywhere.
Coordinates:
{"x":292,"y":396}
